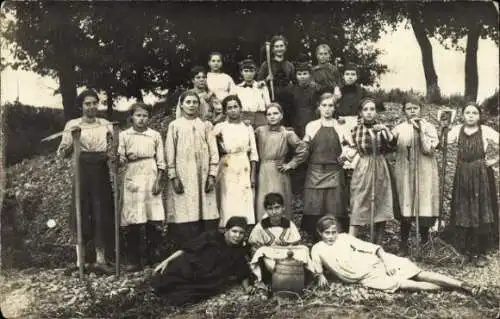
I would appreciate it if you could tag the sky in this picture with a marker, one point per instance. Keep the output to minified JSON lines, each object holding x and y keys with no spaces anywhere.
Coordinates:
{"x":400,"y":53}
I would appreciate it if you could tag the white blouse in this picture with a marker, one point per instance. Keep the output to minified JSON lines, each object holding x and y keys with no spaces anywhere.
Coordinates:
{"x":237,"y":138}
{"x":221,"y":84}
{"x":93,"y":136}
{"x":490,"y":136}
{"x":147,"y":144}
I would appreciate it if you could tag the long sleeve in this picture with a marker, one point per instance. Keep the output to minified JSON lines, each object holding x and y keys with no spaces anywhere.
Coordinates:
{"x":428,"y":138}
{"x":292,"y":73}
{"x":67,"y":139}
{"x":122,"y":152}
{"x":159,"y":152}
{"x":178,"y":109}
{"x":263,"y":72}
{"x":490,"y":136}
{"x":316,"y":258}
{"x":348,"y":147}
{"x":231,"y":85}
{"x":212,"y":149}
{"x":253,"y":155}
{"x":266,"y":96}
{"x":171,"y":150}
{"x":300,"y":149}
{"x":453,"y":134}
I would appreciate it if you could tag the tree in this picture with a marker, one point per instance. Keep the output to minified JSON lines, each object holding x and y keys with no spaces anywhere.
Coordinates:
{"x":90,"y":45}
{"x":415,"y":15}
{"x":130,"y":48}
{"x":46,"y":38}
{"x":470,"y":20}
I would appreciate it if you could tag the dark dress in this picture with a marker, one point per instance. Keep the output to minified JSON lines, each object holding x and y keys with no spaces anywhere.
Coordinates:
{"x":303,"y":101}
{"x":326,"y":76}
{"x":284,"y":77}
{"x":324,"y":192}
{"x":207,"y":265}
{"x":474,"y":201}
{"x":350,"y":102}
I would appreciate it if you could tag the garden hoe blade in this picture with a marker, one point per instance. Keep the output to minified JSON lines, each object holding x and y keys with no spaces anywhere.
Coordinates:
{"x":58,"y":134}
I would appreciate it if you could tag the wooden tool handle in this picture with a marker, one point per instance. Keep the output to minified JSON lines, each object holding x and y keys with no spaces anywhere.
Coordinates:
{"x":76,"y":133}
{"x":270,"y":70}
{"x":116,"y":195}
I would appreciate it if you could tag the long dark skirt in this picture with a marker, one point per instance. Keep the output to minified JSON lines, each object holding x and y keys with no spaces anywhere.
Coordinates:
{"x":96,"y":202}
{"x":180,"y":288}
{"x":474,"y":219}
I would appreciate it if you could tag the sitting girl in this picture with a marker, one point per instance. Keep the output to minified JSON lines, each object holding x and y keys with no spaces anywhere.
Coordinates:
{"x":272,"y":238}
{"x":356,"y":261}
{"x":205,"y":265}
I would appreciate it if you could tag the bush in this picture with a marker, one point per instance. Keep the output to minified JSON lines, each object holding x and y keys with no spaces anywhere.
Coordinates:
{"x":24,"y":127}
{"x":490,"y":104}
{"x":396,"y":95}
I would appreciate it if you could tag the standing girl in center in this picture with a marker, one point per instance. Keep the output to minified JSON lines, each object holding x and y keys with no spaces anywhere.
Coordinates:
{"x":324,"y":189}
{"x":237,"y":171}
{"x":371,"y":180}
{"x":192,"y":159}
{"x":274,"y":143}
{"x":217,"y":81}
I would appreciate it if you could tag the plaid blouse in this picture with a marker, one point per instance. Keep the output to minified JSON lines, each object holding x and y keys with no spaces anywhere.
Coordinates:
{"x":365,"y":138}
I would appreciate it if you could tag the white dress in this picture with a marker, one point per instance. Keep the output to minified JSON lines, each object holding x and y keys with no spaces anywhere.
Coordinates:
{"x":138,"y":202}
{"x":236,"y":193}
{"x":221,"y":84}
{"x":191,"y":156}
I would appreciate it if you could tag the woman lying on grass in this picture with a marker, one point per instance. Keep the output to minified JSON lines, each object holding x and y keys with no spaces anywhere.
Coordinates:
{"x":356,"y":261}
{"x":205,"y":265}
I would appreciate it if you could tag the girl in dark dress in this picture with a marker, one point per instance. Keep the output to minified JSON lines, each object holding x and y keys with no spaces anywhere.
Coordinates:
{"x":96,"y":195}
{"x":474,"y":208}
{"x":205,"y":265}
{"x":283,"y":73}
{"x":325,"y":74}
{"x":327,"y":143}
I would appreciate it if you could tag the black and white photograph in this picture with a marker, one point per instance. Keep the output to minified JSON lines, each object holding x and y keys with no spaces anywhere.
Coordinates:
{"x":249,"y":159}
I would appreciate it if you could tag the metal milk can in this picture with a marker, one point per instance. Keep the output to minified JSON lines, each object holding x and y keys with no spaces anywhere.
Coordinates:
{"x":289,"y":275}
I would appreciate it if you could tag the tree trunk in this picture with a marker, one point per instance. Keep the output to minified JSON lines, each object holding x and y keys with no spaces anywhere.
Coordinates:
{"x":138,"y":95}
{"x":139,"y":83}
{"x":471,"y":77}
{"x":109,"y":103}
{"x":67,"y":87}
{"x":431,"y":79}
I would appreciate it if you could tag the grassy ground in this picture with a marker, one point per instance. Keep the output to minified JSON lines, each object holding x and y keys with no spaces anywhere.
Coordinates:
{"x":33,"y":282}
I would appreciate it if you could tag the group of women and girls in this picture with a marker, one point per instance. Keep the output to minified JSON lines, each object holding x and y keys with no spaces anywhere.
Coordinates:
{"x":230,"y":156}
